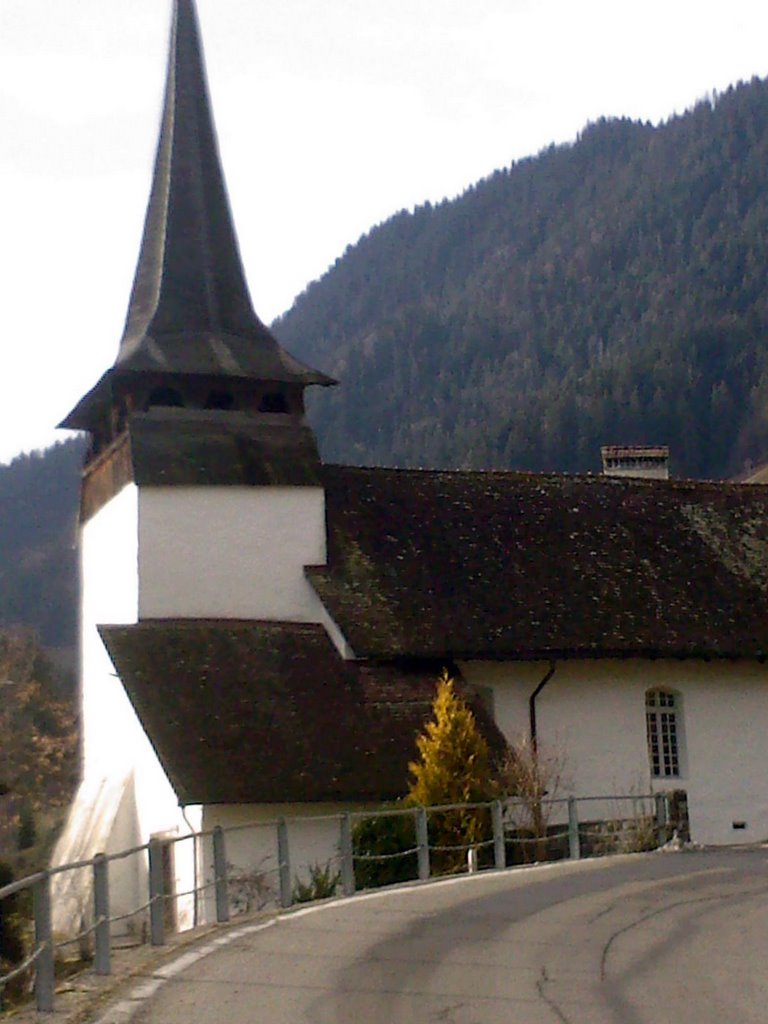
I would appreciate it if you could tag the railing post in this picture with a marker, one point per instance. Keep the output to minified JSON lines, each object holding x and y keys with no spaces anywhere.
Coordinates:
{"x":662,"y":817}
{"x":422,"y":842}
{"x":499,"y":847}
{"x":101,"y":928}
{"x":347,"y":858}
{"x":221,"y":885}
{"x":574,"y":840}
{"x":156,"y":893}
{"x":284,"y":864}
{"x":44,"y":967}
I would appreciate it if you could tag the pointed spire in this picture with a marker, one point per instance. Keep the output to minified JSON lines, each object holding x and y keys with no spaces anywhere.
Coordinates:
{"x":188,"y":216}
{"x":190,"y":310}
{"x":189,"y":253}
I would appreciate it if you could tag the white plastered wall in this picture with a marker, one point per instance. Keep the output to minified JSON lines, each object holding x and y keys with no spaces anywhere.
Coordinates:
{"x":115,"y":746}
{"x":314,"y":833}
{"x":593,"y":713}
{"x":232,"y":553}
{"x":110,"y":588}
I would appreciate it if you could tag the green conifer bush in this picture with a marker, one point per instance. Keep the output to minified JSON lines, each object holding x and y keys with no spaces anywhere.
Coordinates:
{"x":454,"y":767}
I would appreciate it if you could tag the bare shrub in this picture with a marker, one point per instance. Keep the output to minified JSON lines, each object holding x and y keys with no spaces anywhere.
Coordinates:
{"x":249,"y":889}
{"x":530,"y":779}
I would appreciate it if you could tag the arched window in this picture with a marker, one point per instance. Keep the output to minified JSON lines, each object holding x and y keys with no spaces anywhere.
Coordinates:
{"x":662,"y":722}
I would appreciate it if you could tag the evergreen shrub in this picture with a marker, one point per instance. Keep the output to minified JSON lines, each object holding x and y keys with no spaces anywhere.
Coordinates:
{"x":385,"y":836}
{"x":27,"y":832}
{"x":454,"y":767}
{"x":13,"y":910}
{"x":322,"y":885}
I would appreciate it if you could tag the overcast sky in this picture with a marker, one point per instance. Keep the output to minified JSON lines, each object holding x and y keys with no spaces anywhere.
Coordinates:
{"x":332,"y":115}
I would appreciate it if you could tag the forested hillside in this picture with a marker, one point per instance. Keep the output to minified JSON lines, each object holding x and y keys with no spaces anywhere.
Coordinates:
{"x":610,"y":291}
{"x":39,"y":496}
{"x":39,"y":749}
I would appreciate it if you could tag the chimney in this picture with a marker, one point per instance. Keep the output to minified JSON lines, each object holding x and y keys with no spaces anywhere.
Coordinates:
{"x":649,"y":462}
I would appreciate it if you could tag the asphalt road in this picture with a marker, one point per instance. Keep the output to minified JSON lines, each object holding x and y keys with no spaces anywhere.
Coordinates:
{"x":657,"y":938}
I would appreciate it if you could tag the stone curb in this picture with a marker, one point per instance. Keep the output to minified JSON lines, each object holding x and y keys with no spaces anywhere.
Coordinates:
{"x":136,"y":974}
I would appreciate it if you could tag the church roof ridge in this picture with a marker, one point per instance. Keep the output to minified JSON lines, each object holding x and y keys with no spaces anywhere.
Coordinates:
{"x":544,"y":478}
{"x":472,"y":565}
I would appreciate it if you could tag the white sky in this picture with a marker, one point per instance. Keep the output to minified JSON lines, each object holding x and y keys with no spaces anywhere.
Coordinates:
{"x":332,"y":115}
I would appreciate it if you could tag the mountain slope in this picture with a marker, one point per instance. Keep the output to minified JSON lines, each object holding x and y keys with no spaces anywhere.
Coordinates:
{"x":612,"y":291}
{"x":39,"y":497}
{"x":609,"y":291}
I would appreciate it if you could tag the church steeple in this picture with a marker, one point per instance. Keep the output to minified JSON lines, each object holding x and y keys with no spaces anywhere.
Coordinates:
{"x":190,"y":320}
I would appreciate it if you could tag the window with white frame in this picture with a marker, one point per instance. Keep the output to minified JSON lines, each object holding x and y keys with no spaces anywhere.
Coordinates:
{"x":662,"y":721}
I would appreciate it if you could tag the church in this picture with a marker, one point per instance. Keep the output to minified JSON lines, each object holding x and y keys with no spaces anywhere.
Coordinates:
{"x":262,"y":632}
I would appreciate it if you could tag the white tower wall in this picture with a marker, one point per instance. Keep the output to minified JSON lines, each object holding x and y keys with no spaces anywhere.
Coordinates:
{"x":232,"y":553}
{"x":125,"y":796}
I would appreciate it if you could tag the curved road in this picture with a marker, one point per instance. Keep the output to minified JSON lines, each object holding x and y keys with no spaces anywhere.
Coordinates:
{"x":656,"y":938}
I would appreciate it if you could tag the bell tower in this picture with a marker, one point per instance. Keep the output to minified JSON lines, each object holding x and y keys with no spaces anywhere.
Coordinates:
{"x":202,"y":495}
{"x":192,"y":341}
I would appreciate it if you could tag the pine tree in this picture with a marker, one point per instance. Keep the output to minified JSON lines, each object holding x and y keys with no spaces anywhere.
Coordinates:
{"x":454,"y":762}
{"x":454,"y":767}
{"x":26,"y":835}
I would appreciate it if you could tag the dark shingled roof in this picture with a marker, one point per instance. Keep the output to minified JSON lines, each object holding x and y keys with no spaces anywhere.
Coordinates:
{"x":209,"y":448}
{"x":513,"y":565}
{"x":263,"y":712}
{"x":202,"y":448}
{"x":190,"y":310}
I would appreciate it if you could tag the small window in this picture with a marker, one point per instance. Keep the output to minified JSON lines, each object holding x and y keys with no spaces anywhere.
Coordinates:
{"x":220,"y":400}
{"x":166,"y":397}
{"x":273,"y":402}
{"x":662,"y":720}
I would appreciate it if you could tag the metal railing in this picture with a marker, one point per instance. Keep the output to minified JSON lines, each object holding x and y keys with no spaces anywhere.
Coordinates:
{"x":508,"y":825}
